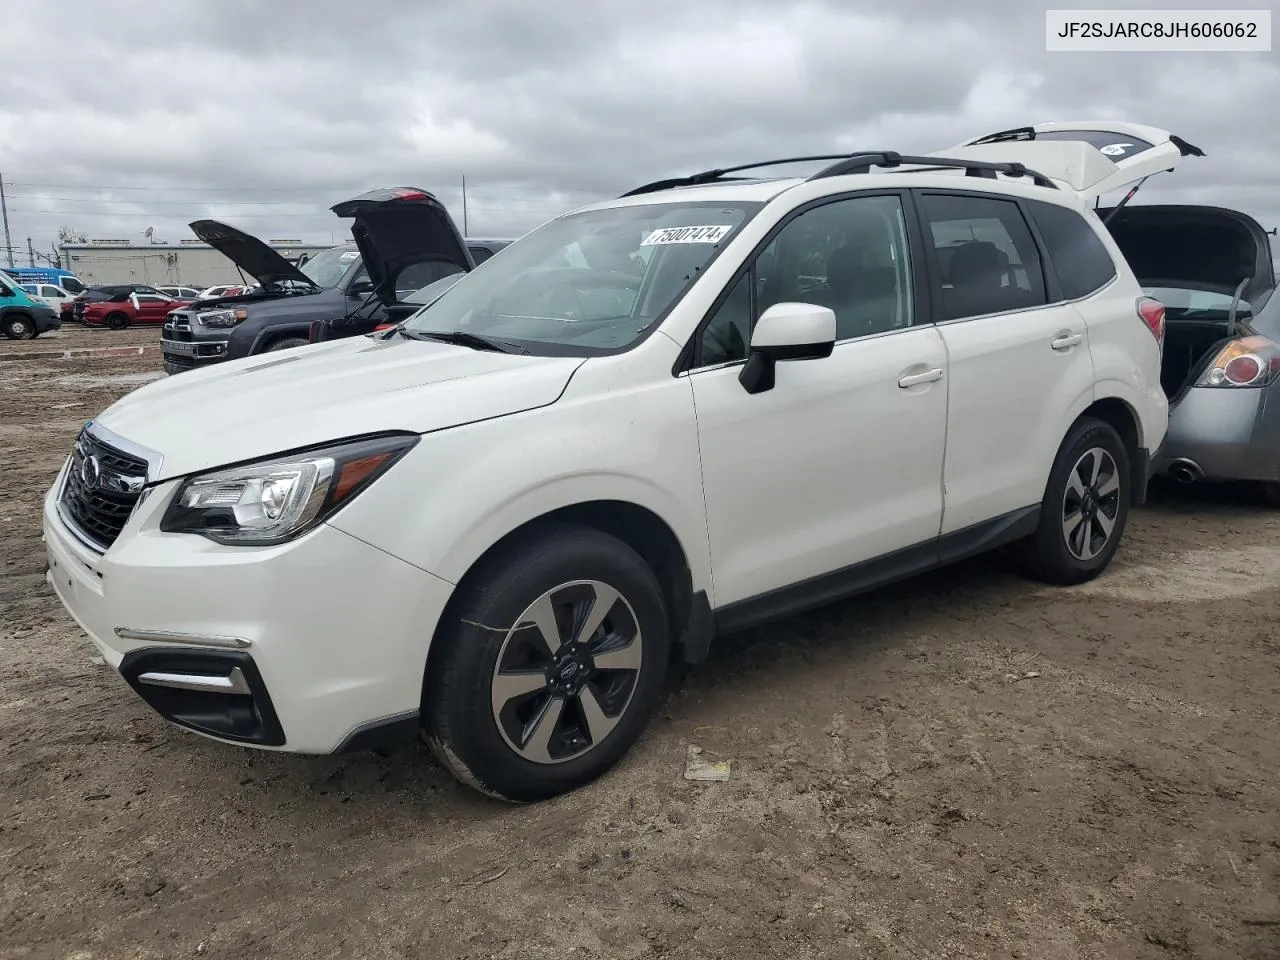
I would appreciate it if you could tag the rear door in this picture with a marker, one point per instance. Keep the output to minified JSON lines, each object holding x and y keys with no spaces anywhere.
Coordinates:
{"x":1090,"y":157}
{"x":1015,"y":360}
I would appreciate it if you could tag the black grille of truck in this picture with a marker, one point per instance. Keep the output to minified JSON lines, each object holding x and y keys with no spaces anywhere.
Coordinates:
{"x":102,"y":488}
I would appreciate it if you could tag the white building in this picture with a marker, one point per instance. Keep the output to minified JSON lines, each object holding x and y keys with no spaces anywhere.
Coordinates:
{"x":190,"y":262}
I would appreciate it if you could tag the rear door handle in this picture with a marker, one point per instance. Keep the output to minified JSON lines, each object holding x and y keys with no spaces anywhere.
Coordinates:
{"x":912,"y":379}
{"x":1066,"y":341}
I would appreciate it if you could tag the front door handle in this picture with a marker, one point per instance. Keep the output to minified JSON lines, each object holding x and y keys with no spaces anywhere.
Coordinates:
{"x":1066,"y":341}
{"x":912,"y":379}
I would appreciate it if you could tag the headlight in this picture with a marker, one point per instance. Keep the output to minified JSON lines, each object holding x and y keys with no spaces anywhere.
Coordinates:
{"x":272,"y":501}
{"x":221,"y":318}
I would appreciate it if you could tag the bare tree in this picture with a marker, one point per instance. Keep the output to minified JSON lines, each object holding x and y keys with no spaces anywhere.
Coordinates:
{"x":67,"y":234}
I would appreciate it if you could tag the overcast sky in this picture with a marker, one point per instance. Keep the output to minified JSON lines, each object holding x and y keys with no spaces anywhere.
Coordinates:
{"x":265,"y":114}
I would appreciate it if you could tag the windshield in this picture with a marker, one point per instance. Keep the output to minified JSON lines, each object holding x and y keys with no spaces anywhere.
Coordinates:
{"x":326,"y":268}
{"x":589,"y":282}
{"x":1182,"y":303}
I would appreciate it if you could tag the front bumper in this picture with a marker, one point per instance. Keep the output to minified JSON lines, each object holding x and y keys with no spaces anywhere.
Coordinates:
{"x":1224,"y":434}
{"x":309,"y":647}
{"x":180,"y":355}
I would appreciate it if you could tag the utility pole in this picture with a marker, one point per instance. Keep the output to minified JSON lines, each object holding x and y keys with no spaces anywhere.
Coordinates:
{"x":465,"y":232}
{"x":31,"y":253}
{"x":4,"y":209}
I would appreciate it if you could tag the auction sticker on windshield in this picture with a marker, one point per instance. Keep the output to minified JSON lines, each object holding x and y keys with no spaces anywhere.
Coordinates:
{"x":685,"y":235}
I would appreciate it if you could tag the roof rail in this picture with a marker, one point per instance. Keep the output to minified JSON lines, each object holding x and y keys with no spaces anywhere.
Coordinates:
{"x":853,"y":163}
{"x":863,"y":162}
{"x":711,"y":176}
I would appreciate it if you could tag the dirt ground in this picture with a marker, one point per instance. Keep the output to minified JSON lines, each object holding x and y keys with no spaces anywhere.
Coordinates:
{"x":965,"y":765}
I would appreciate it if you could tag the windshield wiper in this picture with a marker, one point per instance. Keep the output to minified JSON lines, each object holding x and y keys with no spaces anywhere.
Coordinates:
{"x":463,"y":339}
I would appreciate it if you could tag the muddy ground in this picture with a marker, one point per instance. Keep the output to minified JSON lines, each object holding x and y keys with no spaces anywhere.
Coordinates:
{"x":965,"y":765}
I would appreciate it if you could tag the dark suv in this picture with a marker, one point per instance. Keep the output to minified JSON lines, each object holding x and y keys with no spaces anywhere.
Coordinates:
{"x":404,"y":239}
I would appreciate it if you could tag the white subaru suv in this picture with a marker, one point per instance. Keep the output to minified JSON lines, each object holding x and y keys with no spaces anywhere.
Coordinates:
{"x":711,"y":402}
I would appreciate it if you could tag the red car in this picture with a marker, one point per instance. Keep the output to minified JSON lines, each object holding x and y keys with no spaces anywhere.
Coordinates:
{"x":125,"y":309}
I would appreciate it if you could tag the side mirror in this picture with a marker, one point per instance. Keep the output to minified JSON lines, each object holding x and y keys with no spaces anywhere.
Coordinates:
{"x":360,"y":288}
{"x":787,"y":331}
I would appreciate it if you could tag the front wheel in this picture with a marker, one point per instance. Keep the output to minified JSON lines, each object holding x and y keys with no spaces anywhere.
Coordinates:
{"x":1085,"y":507}
{"x":19,"y":327}
{"x":287,"y":343}
{"x":550,"y":666}
{"x":117,"y":321}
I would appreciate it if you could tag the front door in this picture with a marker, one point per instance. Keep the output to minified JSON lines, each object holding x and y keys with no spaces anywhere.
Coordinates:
{"x":153,"y":307}
{"x":841,"y":461}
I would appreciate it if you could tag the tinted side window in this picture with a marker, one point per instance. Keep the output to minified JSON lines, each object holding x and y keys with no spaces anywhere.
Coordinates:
{"x":987,"y":259}
{"x":1078,"y":255}
{"x":849,"y":255}
{"x":480,"y":254}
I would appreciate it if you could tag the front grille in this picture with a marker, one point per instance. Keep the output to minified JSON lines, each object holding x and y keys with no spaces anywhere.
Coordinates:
{"x":177,"y":327}
{"x":102,"y":487}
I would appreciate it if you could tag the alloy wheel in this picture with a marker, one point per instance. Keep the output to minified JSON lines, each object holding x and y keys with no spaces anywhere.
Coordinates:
{"x":567,"y":671}
{"x":1090,"y":504}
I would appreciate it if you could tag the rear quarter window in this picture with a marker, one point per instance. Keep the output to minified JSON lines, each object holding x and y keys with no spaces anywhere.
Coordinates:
{"x":1079,"y":257}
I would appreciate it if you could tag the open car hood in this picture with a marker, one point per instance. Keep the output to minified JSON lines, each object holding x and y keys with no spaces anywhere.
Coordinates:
{"x":1090,"y":157}
{"x":248,"y":253}
{"x":400,"y":228}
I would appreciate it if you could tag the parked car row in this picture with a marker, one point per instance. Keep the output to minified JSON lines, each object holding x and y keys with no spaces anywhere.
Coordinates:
{"x":706,"y":404}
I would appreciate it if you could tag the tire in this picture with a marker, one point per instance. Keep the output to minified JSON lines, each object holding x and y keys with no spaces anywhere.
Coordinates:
{"x":286,"y":343}
{"x":117,"y":320}
{"x":501,"y":748}
{"x":1062,"y":552}
{"x":18,"y":326}
{"x":1271,"y":493}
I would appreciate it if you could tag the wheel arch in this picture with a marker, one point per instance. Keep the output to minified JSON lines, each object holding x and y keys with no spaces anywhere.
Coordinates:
{"x":1120,"y":415}
{"x":688,"y":610}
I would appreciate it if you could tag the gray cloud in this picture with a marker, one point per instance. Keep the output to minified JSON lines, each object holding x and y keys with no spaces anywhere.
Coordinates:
{"x":264,"y":115}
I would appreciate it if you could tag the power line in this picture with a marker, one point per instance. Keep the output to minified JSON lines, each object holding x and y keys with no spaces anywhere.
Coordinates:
{"x":250,"y":203}
{"x":154,"y":189}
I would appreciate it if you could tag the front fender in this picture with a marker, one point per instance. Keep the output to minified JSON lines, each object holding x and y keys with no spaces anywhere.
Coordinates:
{"x":462,"y":490}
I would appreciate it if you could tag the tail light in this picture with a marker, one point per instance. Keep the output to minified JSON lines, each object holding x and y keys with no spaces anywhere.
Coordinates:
{"x":316,"y":332}
{"x":1246,"y":362}
{"x":383,"y":326}
{"x":1151,"y":311}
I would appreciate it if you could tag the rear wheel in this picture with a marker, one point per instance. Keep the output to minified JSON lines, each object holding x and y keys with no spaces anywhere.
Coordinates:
{"x":18,"y":326}
{"x":1085,"y":507}
{"x":550,"y":666}
{"x":117,"y":320}
{"x":286,"y":343}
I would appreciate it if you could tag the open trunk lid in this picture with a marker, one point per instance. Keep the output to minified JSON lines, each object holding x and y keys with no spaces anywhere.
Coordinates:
{"x":1091,"y":157}
{"x":248,"y":253}
{"x":400,"y":228}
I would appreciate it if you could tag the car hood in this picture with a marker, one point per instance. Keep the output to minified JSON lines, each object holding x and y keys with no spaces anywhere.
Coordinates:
{"x":247,"y":252}
{"x":264,"y":405}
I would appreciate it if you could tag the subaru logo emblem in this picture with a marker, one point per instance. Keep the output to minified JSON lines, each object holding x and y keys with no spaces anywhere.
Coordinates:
{"x":91,"y":473}
{"x":569,"y":670}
